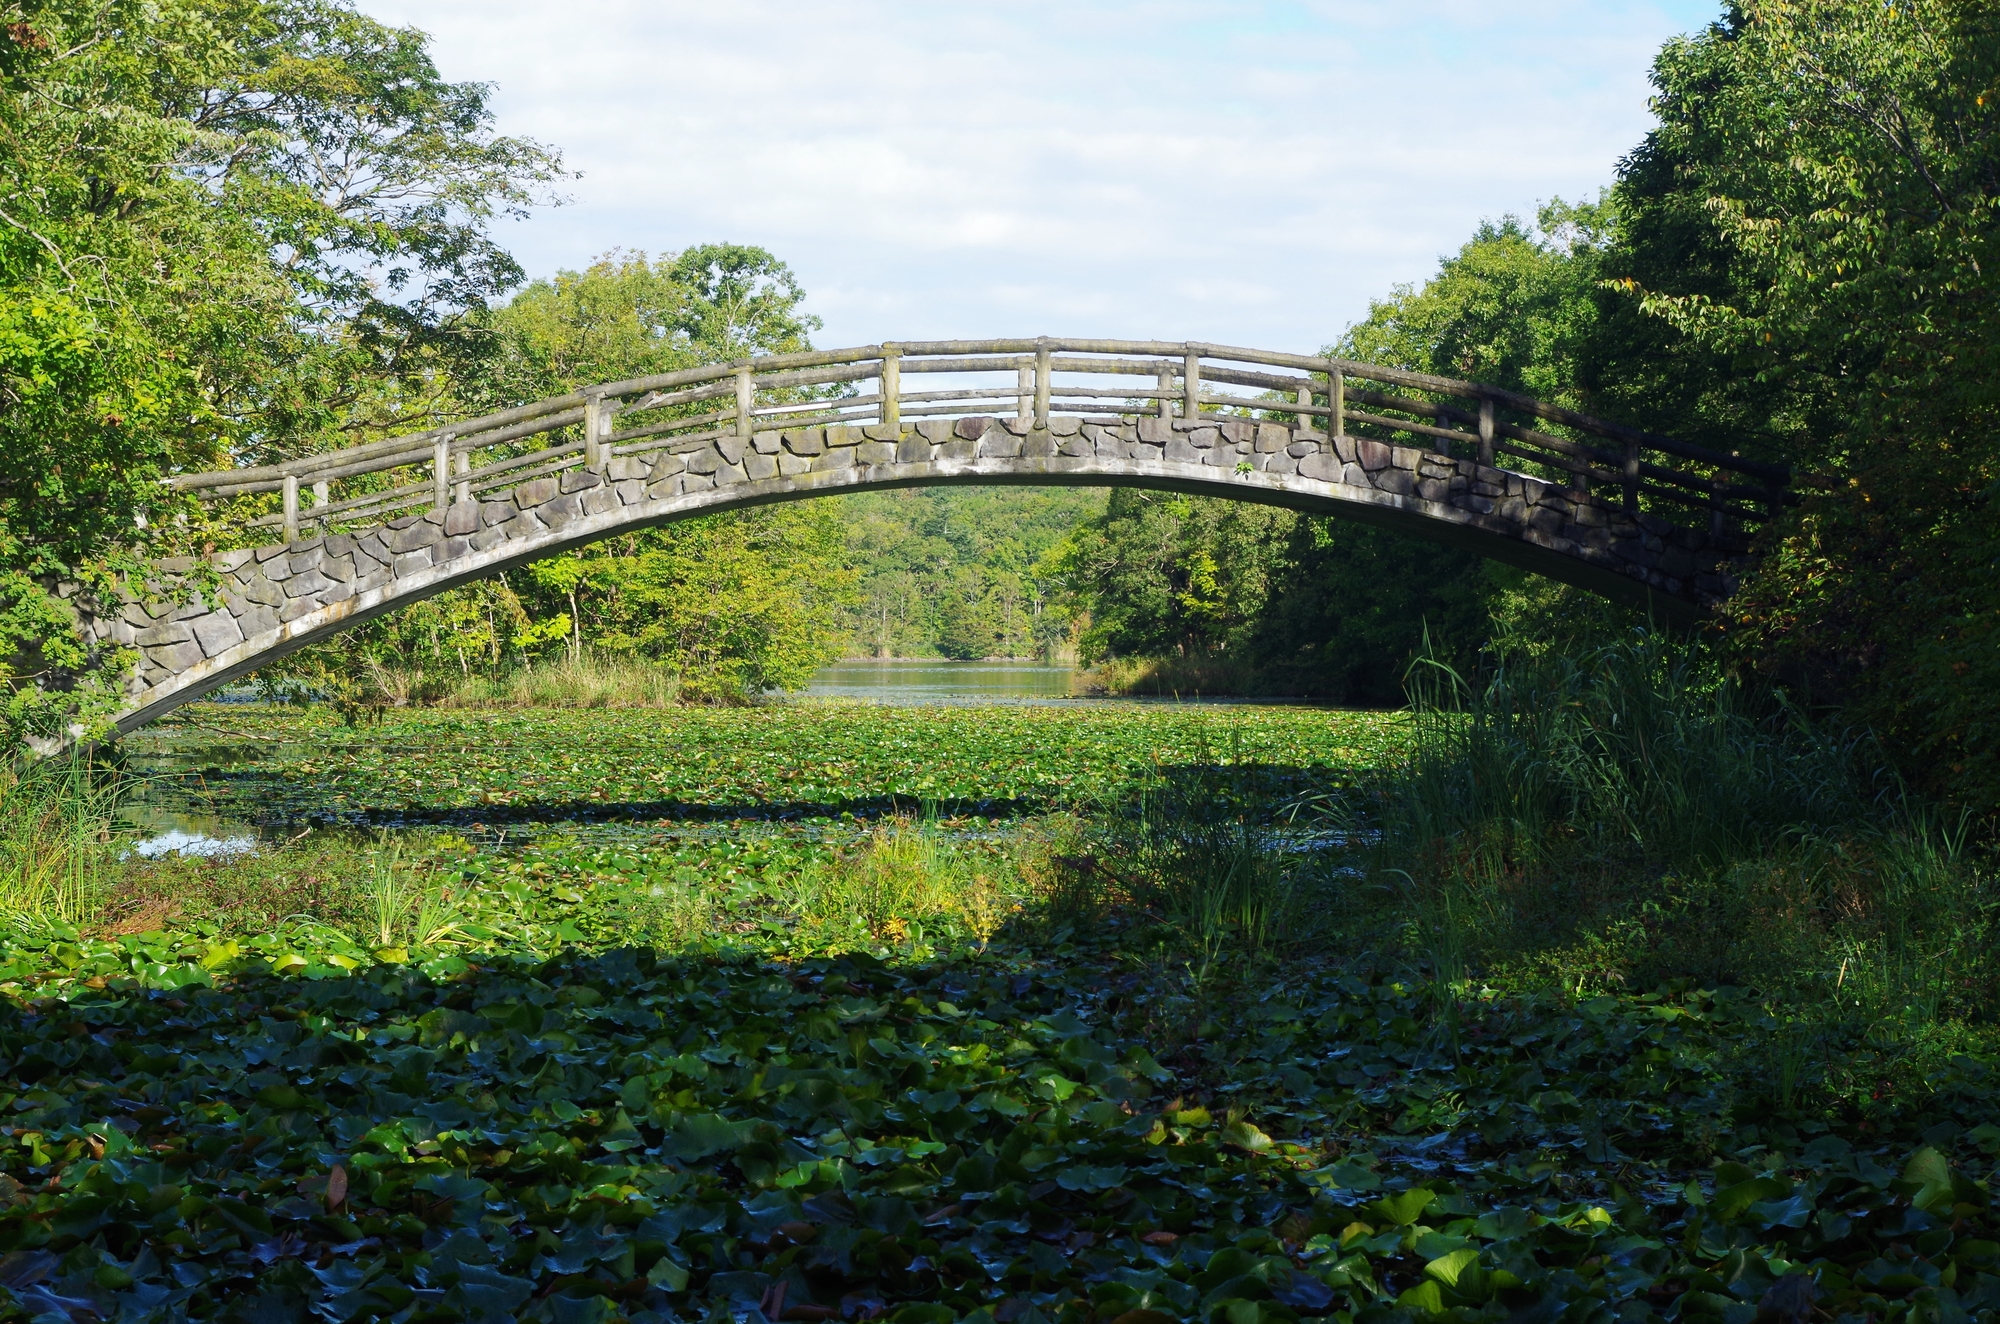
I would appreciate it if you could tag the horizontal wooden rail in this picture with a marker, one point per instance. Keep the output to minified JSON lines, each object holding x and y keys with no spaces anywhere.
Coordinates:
{"x":691,"y":407}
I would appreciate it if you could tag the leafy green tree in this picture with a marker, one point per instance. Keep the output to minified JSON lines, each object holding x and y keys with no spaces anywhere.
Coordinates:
{"x":1807,"y":268}
{"x":229,"y":230}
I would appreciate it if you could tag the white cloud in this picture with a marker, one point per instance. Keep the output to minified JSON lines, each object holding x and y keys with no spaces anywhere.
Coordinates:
{"x":1229,"y":171}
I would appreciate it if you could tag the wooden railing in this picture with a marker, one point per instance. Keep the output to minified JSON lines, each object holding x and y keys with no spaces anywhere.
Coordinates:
{"x":1036,"y":378}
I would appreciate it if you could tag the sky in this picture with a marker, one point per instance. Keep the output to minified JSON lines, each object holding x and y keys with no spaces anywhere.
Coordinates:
{"x":1234,"y":171}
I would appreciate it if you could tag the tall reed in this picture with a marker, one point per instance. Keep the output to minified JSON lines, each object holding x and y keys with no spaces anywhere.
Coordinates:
{"x":55,"y":838}
{"x":591,"y":681}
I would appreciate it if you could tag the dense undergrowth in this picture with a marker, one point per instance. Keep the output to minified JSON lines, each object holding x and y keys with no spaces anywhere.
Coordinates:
{"x":1619,"y":995}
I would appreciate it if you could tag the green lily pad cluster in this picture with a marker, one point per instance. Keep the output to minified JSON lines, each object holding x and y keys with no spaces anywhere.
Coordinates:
{"x":622,"y":1136}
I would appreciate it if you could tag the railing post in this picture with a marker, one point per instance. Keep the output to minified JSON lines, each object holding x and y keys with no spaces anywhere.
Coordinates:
{"x":1336,"y":399}
{"x":1305,"y":400}
{"x":1191,"y":386}
{"x":441,"y":470}
{"x":1631,"y":476}
{"x":746,"y":401}
{"x":1717,"y":522}
{"x":1024,"y":394}
{"x":322,"y":493}
{"x":1486,"y":431}
{"x":892,"y":386}
{"x":594,"y":431}
{"x":1165,"y":402}
{"x":1042,"y":361}
{"x":461,"y":468}
{"x":291,"y":508}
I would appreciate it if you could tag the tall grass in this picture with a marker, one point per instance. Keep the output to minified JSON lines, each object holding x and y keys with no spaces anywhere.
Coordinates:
{"x":590,"y":681}
{"x":909,"y":885}
{"x":1625,"y":812}
{"x":55,"y":839}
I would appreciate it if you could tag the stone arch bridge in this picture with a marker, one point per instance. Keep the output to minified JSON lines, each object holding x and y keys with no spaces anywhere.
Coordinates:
{"x":353,"y":534}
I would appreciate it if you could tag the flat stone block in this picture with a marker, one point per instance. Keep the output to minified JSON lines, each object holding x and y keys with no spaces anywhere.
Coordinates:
{"x":1155,"y":431}
{"x":1038,"y":444}
{"x":227,"y":561}
{"x":1395,"y":481}
{"x":1081,"y":448}
{"x":523,"y":525}
{"x":1181,"y":451}
{"x":666,"y":466}
{"x":836,"y":457}
{"x":1237,"y":429}
{"x":1320,"y":467}
{"x":1280,"y":463}
{"x":1272,"y":438}
{"x":1480,"y":504}
{"x":263,"y":590}
{"x":461,"y":518}
{"x":729,"y":475}
{"x":262,"y":554}
{"x":450,"y":550}
{"x":1065,"y":426}
{"x":1433,"y":489}
{"x":1017,"y":425}
{"x":216,"y":632}
{"x":625,"y":468}
{"x":529,"y":495}
{"x":1344,"y":447}
{"x":791,"y":466}
{"x":663,"y":488}
{"x":311,"y":582}
{"x":1372,"y":455}
{"x":958,"y":448}
{"x":403,"y":521}
{"x":560,"y":511}
{"x":1203,"y":438}
{"x":497,"y":512}
{"x":937,"y":431}
{"x":373,"y":580}
{"x":1545,"y":518}
{"x":484,"y":541}
{"x":804,"y":441}
{"x":888,"y":432}
{"x":174,"y":658}
{"x":631,"y":491}
{"x":704,"y":461}
{"x":1221,"y":457}
{"x":972,"y":429}
{"x":1109,"y":447}
{"x":765,"y":443}
{"x":843,"y":434}
{"x":758,"y":466}
{"x":172,"y":632}
{"x":876,"y":452}
{"x":1405,"y":457}
{"x":999,"y":445}
{"x":697,"y":482}
{"x":411,"y":537}
{"x":409,"y":563}
{"x":298,"y":607}
{"x":915,"y":449}
{"x":601,"y":501}
{"x":577,"y":480}
{"x":731,"y":449}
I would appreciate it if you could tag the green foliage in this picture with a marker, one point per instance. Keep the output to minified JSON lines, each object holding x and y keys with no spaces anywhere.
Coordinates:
{"x":958,"y":571}
{"x":230,"y":230}
{"x":1807,"y":271}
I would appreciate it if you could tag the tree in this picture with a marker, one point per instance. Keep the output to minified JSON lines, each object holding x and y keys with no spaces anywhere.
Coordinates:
{"x":1808,"y":267}
{"x":230,"y":229}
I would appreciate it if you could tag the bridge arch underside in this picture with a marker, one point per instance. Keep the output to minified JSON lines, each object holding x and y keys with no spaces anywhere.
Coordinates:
{"x":274,"y":600}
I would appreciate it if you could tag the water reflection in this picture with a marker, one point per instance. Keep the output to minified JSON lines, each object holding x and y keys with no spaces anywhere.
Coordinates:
{"x":923,"y":680}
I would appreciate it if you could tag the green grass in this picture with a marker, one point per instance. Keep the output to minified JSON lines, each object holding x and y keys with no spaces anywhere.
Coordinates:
{"x":592,"y":681}
{"x":55,"y":844}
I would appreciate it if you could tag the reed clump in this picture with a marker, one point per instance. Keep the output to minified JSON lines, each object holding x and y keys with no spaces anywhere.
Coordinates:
{"x":56,"y":841}
{"x":589,"y":681}
{"x":909,"y":884}
{"x":1628,"y":815}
